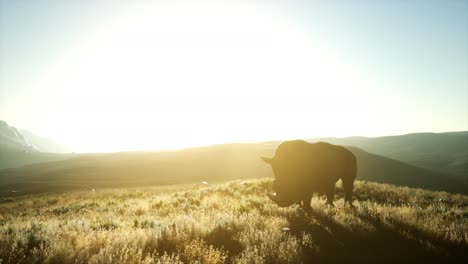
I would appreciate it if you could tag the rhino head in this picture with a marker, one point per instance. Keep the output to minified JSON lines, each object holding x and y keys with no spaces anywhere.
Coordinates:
{"x":281,"y":195}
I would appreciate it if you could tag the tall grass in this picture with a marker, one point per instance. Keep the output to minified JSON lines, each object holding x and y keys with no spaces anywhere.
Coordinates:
{"x":232,"y":223}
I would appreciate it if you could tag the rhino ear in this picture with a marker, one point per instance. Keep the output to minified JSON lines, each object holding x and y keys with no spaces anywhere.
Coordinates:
{"x":267,"y":160}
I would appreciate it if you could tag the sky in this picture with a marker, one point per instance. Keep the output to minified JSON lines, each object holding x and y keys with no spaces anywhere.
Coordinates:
{"x":101,"y":76}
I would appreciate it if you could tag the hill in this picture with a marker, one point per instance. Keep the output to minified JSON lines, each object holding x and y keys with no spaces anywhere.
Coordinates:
{"x":233,"y":223}
{"x":372,"y":167}
{"x":12,"y":158}
{"x":213,"y":163}
{"x":443,"y":152}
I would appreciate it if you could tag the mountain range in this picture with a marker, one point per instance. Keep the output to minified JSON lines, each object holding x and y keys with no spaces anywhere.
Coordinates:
{"x":19,"y":148}
{"x":442,"y":152}
{"x":210,"y":164}
{"x":423,"y":160}
{"x":11,"y":138}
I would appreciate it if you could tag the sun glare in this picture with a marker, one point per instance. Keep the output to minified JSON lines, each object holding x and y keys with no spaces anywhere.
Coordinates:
{"x":173,"y":76}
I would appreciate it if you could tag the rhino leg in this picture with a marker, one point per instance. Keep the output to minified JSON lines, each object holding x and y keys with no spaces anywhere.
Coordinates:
{"x":348,"y":198}
{"x":330,"y":194}
{"x":306,"y":203}
{"x":348,"y":189}
{"x":348,"y":180}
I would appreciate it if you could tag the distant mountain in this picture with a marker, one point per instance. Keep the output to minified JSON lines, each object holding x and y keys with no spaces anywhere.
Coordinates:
{"x":11,"y":138}
{"x":443,"y":152}
{"x":23,"y":148}
{"x":44,"y":144}
{"x":213,"y":163}
{"x":376,"y":168}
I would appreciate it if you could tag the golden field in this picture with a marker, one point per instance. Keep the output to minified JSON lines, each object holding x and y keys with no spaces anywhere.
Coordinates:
{"x":233,"y":222}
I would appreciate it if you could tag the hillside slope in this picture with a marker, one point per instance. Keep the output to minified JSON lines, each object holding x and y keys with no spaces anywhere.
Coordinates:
{"x":12,"y":158}
{"x":214,"y":163}
{"x":233,"y":223}
{"x":372,"y":167}
{"x":445,"y":152}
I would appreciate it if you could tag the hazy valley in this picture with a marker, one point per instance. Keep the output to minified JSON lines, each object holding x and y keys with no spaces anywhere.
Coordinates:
{"x":425,"y":160}
{"x":209,"y":205}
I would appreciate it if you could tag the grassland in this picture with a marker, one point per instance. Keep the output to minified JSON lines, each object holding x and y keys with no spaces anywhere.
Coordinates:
{"x":233,"y":222}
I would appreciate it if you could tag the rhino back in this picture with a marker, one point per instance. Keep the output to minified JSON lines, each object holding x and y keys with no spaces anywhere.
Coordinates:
{"x":313,"y":163}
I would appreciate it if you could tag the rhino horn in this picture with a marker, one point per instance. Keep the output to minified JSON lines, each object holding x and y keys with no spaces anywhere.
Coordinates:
{"x":273,"y":197}
{"x":280,"y":201}
{"x":267,"y":160}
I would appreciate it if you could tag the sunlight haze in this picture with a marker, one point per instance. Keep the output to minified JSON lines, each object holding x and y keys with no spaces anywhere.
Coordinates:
{"x":173,"y":74}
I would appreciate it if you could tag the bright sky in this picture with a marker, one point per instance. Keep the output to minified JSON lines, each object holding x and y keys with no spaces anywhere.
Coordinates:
{"x":128,"y":75}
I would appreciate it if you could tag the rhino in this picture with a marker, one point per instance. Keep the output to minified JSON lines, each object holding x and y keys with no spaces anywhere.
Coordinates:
{"x":302,"y":169}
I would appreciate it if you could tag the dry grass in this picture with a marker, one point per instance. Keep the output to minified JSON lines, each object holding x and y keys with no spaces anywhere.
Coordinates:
{"x":232,"y":223}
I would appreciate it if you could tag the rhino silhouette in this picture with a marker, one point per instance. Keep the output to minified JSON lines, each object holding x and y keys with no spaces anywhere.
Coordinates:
{"x":302,"y":169}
